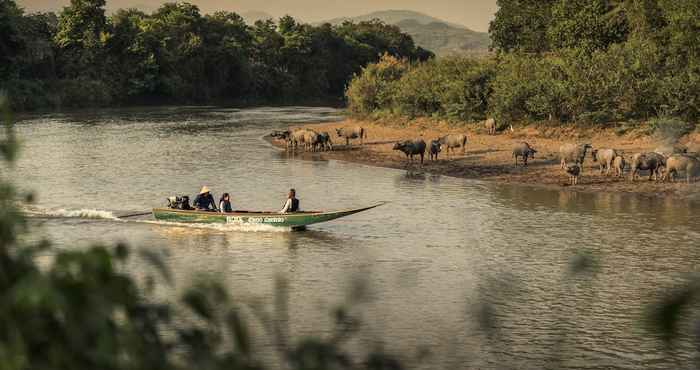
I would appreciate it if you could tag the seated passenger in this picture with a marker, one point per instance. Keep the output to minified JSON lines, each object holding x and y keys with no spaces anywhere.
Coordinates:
{"x":225,"y":204}
{"x":185,"y":204}
{"x":204,"y":201}
{"x":292,"y":204}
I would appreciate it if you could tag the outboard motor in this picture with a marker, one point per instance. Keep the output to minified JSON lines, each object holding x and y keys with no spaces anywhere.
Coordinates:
{"x":174,"y":202}
{"x":182,"y":202}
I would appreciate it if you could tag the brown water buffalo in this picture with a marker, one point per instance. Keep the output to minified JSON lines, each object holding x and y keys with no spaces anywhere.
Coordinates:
{"x":490,"y":126}
{"x":677,"y":163}
{"x":304,"y":137}
{"x":434,"y":150}
{"x":525,"y":151}
{"x":618,"y":165}
{"x":573,"y":153}
{"x":652,"y":162}
{"x":453,"y":141}
{"x":355,"y":132}
{"x":411,"y":148}
{"x":605,"y":158}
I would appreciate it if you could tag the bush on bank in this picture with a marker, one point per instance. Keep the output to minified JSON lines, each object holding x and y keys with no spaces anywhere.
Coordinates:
{"x":625,"y":82}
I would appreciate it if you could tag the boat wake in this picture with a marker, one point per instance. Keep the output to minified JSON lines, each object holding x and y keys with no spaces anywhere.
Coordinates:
{"x":88,"y":213}
{"x":98,"y":214}
{"x":261,"y":228}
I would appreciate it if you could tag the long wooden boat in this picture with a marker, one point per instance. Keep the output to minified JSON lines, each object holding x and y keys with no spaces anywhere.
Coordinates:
{"x":297,"y":220}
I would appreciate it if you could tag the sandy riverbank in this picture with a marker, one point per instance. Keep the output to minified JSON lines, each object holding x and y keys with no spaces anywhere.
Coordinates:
{"x":489,"y":158}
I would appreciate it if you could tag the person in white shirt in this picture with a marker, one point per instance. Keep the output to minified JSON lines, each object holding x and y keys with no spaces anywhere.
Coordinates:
{"x":292,"y":204}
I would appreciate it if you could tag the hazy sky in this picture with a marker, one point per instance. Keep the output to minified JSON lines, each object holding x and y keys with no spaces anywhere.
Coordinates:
{"x":474,"y":14}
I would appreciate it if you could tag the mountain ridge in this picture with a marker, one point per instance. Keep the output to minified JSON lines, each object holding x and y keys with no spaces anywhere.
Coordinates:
{"x":439,"y":36}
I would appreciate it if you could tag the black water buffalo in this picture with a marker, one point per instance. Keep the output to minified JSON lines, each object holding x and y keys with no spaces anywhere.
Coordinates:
{"x":324,"y":141}
{"x":411,"y":148}
{"x":525,"y":151}
{"x":434,"y":149}
{"x":652,"y":162}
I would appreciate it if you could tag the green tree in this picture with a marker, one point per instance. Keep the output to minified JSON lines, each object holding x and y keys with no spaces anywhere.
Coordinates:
{"x":131,"y":61}
{"x":11,"y":42}
{"x":521,"y":25}
{"x":82,"y":27}
{"x":228,"y":44}
{"x":586,"y":24}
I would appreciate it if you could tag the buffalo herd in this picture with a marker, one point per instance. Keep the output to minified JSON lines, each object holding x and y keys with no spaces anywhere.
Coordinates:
{"x":663,"y":164}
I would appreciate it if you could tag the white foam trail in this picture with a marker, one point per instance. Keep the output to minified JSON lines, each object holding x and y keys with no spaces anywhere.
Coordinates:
{"x":221,"y":227}
{"x":72,"y":213}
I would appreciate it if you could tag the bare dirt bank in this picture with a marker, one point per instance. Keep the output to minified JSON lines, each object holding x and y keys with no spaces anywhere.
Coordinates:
{"x":489,"y":158}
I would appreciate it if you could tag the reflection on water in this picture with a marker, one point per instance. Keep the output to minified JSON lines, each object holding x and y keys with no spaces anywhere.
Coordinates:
{"x":441,"y":247}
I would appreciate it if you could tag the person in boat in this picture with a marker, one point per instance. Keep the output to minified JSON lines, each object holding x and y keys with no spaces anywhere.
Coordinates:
{"x":292,"y":204}
{"x":225,"y":204}
{"x":204,"y":201}
{"x":185,"y":204}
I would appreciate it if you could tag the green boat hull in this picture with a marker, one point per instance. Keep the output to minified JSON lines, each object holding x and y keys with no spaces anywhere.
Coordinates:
{"x":293,"y":220}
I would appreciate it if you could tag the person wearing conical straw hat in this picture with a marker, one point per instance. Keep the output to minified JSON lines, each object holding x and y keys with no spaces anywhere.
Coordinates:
{"x":204,"y":201}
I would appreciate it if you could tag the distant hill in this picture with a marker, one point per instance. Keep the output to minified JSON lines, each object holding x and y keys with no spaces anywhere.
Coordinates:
{"x":436,"y":35}
{"x":254,"y":16}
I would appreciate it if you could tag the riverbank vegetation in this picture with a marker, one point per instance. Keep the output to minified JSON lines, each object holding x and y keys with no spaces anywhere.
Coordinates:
{"x":583,"y":62}
{"x":83,"y":57}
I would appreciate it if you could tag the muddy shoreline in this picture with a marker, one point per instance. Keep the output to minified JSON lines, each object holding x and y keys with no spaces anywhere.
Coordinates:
{"x":489,"y":157}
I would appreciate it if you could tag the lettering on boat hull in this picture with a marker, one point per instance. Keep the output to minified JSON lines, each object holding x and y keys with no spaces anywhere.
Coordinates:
{"x":254,"y":220}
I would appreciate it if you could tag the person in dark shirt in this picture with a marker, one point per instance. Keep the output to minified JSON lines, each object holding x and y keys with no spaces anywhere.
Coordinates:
{"x":292,"y":204}
{"x":204,"y":201}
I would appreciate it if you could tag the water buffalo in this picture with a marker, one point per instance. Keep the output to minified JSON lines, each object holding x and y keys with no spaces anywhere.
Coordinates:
{"x":454,"y":141}
{"x":525,"y":151}
{"x":677,"y":163}
{"x":618,"y":165}
{"x":355,"y":132}
{"x":573,"y":153}
{"x":277,"y":134}
{"x":605,"y":158}
{"x":652,"y":162}
{"x":283,"y":135}
{"x":307,"y":138}
{"x":411,"y":148}
{"x":574,"y":171}
{"x":434,"y":149}
{"x":490,"y":126}
{"x":324,"y":141}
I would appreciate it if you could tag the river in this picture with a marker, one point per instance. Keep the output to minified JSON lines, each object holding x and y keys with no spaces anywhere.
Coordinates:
{"x":441,"y":251}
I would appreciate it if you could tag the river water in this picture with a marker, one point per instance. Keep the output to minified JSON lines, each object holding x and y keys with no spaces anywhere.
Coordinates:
{"x":444,"y":250}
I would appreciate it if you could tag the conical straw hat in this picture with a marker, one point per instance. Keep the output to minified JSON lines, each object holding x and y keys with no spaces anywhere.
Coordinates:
{"x":204,"y":190}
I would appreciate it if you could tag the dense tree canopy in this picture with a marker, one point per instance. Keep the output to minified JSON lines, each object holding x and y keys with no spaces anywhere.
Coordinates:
{"x":597,"y":61}
{"x":177,"y":54}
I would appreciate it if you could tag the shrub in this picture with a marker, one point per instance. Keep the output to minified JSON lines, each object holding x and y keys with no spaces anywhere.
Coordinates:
{"x":372,"y":89}
{"x":527,"y":87}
